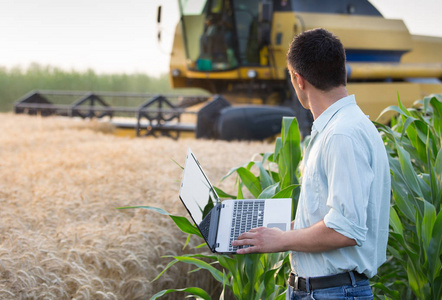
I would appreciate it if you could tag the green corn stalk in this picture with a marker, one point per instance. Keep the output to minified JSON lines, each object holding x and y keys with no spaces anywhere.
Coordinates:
{"x":414,"y":145}
{"x":250,"y":276}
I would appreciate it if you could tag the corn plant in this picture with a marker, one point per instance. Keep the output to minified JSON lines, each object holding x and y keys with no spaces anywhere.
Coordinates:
{"x":414,"y":145}
{"x":250,"y":276}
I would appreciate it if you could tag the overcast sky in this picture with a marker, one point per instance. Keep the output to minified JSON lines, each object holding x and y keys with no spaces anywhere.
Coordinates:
{"x":120,"y":35}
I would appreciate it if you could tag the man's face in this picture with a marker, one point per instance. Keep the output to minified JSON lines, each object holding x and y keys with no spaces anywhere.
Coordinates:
{"x":296,"y":85}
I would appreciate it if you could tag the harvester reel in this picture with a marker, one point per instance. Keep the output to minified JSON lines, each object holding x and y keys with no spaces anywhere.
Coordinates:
{"x":157,"y":111}
{"x":89,"y":111}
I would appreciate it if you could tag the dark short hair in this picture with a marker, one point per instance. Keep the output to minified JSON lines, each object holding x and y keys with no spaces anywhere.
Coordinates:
{"x":319,"y":57}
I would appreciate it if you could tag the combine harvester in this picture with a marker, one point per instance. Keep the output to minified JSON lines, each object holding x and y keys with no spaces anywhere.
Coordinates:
{"x":236,"y":50}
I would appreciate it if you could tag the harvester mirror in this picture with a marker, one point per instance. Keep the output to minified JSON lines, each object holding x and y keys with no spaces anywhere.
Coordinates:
{"x":159,"y":14}
{"x":159,"y":22}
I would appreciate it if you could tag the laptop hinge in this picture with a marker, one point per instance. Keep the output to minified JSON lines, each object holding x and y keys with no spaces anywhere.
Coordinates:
{"x":213,"y":231}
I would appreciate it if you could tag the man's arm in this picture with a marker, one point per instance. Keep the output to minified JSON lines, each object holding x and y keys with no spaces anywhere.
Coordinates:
{"x":316,"y":238}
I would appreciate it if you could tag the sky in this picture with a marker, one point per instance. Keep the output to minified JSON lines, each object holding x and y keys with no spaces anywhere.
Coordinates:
{"x":120,"y":36}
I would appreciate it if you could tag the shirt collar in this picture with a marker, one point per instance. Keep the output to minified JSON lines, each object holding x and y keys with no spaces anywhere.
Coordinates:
{"x":322,"y":121}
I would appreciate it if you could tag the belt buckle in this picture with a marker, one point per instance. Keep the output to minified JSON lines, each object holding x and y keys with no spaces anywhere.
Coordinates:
{"x":296,"y":283}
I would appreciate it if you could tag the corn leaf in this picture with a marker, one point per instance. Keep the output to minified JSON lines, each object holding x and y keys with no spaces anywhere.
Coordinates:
{"x":165,"y":269}
{"x":227,"y":263}
{"x":286,"y":192}
{"x":428,"y":223}
{"x":268,"y":156}
{"x":403,"y":110}
{"x":255,"y":269}
{"x":401,"y":192}
{"x":281,"y":297}
{"x":240,"y":194}
{"x":225,"y":283}
{"x":417,"y":280}
{"x":201,"y":246}
{"x":278,"y":145}
{"x":435,"y":248}
{"x":411,"y":253}
{"x":408,"y":171}
{"x":387,"y":290}
{"x":269,"y":192}
{"x":181,"y":167}
{"x":182,"y":222}
{"x":223,"y":194}
{"x":212,"y":257}
{"x":290,"y":152}
{"x":264,"y":178}
{"x":250,"y":181}
{"x":187,"y":241}
{"x":185,"y":226}
{"x":158,"y":210}
{"x":409,"y":130}
{"x":260,"y":290}
{"x":235,"y":169}
{"x":437,"y":115}
{"x":203,"y":265}
{"x":392,"y":108}
{"x":269,"y":282}
{"x":437,"y":174}
{"x":194,"y":291}
{"x":231,"y":171}
{"x":437,"y":288}
{"x":395,"y":222}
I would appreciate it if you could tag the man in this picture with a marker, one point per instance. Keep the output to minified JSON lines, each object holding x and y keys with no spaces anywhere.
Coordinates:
{"x":340,"y":232}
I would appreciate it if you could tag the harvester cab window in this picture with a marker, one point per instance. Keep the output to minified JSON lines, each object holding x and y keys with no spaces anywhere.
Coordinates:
{"x":221,"y":34}
{"x":217,"y":47}
{"x":246,"y":21}
{"x":208,"y":32}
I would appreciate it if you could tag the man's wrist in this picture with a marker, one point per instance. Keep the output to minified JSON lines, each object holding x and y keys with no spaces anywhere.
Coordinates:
{"x":287,"y":238}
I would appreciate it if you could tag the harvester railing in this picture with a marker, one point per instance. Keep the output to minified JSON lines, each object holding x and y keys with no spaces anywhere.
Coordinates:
{"x":154,"y":114}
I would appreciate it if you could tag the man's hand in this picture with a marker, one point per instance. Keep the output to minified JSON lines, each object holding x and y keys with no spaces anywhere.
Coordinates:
{"x":261,"y":240}
{"x":316,"y":238}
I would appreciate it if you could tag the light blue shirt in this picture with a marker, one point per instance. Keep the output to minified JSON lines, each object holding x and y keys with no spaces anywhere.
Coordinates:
{"x":346,"y":183}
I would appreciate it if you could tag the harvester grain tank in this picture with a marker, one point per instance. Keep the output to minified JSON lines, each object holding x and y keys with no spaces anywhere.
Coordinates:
{"x":237,"y":49}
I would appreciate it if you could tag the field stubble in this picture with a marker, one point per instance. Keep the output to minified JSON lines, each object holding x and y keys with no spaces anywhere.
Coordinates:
{"x":60,"y":234}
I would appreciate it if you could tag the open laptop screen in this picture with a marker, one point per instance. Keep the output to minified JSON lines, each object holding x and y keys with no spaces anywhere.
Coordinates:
{"x":196,"y":191}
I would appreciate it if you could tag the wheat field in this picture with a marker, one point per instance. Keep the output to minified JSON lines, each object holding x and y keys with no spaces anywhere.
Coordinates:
{"x":60,"y":234}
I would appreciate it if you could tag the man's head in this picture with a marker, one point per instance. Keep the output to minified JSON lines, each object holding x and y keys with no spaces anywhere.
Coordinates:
{"x":319,"y":57}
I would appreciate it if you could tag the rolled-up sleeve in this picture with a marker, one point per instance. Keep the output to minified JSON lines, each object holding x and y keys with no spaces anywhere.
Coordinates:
{"x":349,"y":177}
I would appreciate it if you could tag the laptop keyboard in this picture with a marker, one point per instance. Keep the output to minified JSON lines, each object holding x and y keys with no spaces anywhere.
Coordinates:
{"x":246,"y":215}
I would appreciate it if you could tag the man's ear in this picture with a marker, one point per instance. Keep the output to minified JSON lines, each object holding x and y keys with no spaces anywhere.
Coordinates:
{"x":300,"y":81}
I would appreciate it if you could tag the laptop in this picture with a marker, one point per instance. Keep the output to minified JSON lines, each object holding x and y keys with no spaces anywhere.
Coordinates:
{"x":221,"y":222}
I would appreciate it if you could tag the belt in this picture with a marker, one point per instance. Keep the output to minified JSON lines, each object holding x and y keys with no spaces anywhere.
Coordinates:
{"x":323,"y":282}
